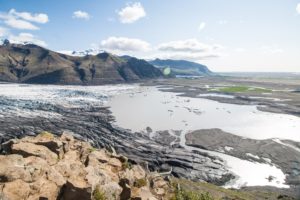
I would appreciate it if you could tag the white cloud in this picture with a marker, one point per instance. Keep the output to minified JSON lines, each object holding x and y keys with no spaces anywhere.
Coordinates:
{"x":124,"y":44}
{"x":131,"y":13}
{"x":20,"y":24}
{"x":26,"y":37}
{"x":298,"y":8}
{"x":201,"y":26}
{"x":190,"y":45}
{"x":191,"y":56}
{"x":36,"y":17}
{"x":81,"y":15}
{"x":273,"y":49}
{"x":190,"y":49}
{"x":22,"y":20}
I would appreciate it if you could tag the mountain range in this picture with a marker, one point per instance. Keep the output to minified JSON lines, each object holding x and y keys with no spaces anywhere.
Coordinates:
{"x":29,"y":63}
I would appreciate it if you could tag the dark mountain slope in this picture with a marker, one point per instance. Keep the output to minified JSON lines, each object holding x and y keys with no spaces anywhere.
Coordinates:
{"x":134,"y":63}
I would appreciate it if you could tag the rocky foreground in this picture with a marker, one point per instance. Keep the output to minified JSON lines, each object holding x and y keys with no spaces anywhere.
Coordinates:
{"x":48,"y":167}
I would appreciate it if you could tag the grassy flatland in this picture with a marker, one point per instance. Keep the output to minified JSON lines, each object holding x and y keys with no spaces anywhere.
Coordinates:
{"x":233,"y":89}
{"x":190,"y":190}
{"x":185,"y":71}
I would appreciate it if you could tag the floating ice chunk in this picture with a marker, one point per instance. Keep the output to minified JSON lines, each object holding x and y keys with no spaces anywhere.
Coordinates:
{"x":227,"y":148}
{"x":287,"y":145}
{"x":253,"y":156}
{"x":216,"y":95}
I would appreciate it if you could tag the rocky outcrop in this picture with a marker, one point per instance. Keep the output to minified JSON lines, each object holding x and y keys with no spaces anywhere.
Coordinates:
{"x":48,"y":167}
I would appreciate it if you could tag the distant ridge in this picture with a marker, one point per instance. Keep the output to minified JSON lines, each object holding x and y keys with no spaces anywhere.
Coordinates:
{"x":182,"y":67}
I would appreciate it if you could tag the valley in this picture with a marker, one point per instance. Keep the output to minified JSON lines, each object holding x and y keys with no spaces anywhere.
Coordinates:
{"x":167,"y":125}
{"x":149,"y":100}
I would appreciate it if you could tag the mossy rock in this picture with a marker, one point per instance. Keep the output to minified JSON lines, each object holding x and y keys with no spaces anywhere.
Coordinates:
{"x":46,"y":134}
{"x":98,"y":194}
{"x":140,"y":182}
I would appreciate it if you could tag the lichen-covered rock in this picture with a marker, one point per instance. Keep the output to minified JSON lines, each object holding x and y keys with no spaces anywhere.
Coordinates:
{"x":48,"y":167}
{"x":111,"y":190}
{"x":44,"y":189}
{"x":142,"y":193}
{"x":159,"y":185}
{"x":135,"y":173}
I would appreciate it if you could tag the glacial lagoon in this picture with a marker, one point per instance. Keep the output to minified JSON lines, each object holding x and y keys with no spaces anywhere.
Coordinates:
{"x":138,"y":107}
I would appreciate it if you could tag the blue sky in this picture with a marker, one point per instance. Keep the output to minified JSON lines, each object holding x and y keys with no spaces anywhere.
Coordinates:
{"x":249,"y":35}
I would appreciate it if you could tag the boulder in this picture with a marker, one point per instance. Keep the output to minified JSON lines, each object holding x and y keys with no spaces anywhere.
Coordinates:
{"x":17,"y":189}
{"x":28,"y":149}
{"x":6,"y":146}
{"x":159,"y":191}
{"x":126,"y":189}
{"x":142,"y":193}
{"x":55,"y":177}
{"x":67,"y":140}
{"x":36,"y":166}
{"x":115,"y":163}
{"x":133,"y":174}
{"x":48,"y":140}
{"x":111,"y":190}
{"x":158,"y":182}
{"x":96,"y":157}
{"x":96,"y":176}
{"x":76,"y":190}
{"x":44,"y":189}
{"x":12,"y":167}
{"x":70,"y":168}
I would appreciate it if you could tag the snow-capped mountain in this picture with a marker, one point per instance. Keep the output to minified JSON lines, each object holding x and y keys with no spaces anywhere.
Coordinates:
{"x":6,"y":42}
{"x":82,"y":53}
